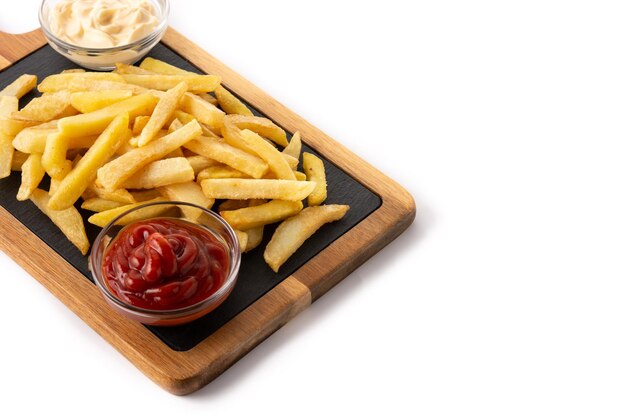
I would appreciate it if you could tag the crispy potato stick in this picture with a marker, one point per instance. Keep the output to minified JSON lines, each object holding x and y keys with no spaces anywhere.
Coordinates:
{"x":161,"y":173}
{"x":208,"y":97}
{"x":198,"y":163}
{"x":140,"y":123}
{"x":54,"y":154}
{"x":32,"y":139}
{"x":32,"y":174}
{"x":292,"y":233}
{"x":145,"y":195}
{"x":130,"y":69}
{"x":88,"y":84}
{"x":77,"y":181}
{"x":97,"y":204}
{"x":314,"y":170}
{"x":116,"y":172}
{"x":18,"y":160}
{"x":203,"y":111}
{"x":73,"y":71}
{"x":291,"y":161}
{"x":295,"y":146}
{"x":300,"y":176}
{"x":229,"y":103}
{"x":6,"y":155}
{"x":176,"y":153}
{"x":103,"y":218}
{"x":244,"y":189}
{"x":20,"y":87}
{"x":8,"y":105}
{"x":12,"y":127}
{"x":189,"y":192}
{"x":255,"y":237}
{"x":196,"y":83}
{"x":88,"y":101}
{"x":53,"y":82}
{"x":261,"y":125}
{"x":220,"y":171}
{"x":242,"y":238}
{"x":222,"y":152}
{"x":56,"y":181}
{"x":237,"y":204}
{"x":268,"y":213}
{"x":69,"y":220}
{"x":161,"y":67}
{"x":44,"y":109}
{"x":121,"y":195}
{"x":162,"y":112}
{"x":269,"y":154}
{"x":94,"y":123}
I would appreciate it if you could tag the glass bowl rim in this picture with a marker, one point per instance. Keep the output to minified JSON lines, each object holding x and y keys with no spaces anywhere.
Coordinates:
{"x":224,"y":289}
{"x":163,"y":22}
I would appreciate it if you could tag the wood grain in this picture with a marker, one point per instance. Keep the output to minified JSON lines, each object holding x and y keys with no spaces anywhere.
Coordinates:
{"x":185,"y":372}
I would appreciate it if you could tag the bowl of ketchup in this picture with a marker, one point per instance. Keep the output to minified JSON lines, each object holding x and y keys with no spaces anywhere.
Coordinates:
{"x":165,"y":263}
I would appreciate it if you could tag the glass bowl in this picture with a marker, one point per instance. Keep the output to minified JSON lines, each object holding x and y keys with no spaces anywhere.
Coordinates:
{"x":174,"y":210}
{"x":104,"y":59}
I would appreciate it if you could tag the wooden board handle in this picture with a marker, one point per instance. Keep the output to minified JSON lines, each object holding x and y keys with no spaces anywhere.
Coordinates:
{"x":15,"y":47}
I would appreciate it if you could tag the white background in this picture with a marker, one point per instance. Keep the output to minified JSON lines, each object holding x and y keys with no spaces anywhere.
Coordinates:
{"x":505,"y":120}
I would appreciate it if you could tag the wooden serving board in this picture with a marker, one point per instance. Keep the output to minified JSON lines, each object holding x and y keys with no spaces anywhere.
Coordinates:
{"x":185,"y":358}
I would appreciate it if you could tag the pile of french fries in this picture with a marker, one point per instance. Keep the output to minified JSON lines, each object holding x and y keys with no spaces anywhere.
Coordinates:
{"x":159,"y":133}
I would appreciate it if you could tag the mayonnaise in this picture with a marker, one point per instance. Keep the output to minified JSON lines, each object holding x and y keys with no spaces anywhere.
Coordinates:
{"x":102,"y":23}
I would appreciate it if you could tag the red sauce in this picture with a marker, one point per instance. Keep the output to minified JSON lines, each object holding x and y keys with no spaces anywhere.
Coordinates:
{"x":164,"y":264}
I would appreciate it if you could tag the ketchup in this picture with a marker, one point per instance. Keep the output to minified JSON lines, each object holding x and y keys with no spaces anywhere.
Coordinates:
{"x":164,"y":264}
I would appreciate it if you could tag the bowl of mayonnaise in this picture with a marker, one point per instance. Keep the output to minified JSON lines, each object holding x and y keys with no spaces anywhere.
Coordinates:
{"x":97,"y":34}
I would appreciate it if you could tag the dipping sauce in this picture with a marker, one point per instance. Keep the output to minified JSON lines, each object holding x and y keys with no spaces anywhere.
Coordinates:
{"x":164,"y":264}
{"x":103,"y":23}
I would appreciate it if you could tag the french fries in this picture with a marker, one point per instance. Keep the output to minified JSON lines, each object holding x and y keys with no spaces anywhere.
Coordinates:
{"x":113,"y":174}
{"x":155,"y":133}
{"x":314,"y":170}
{"x":292,"y":233}
{"x":77,"y":181}
{"x":244,"y":189}
{"x":69,"y":220}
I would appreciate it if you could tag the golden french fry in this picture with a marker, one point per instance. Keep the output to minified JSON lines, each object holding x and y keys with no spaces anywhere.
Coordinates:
{"x":44,"y":109}
{"x":231,"y":104}
{"x":244,"y":189}
{"x":54,"y":154}
{"x":300,"y":176}
{"x":77,"y":181}
{"x":202,"y":110}
{"x":255,"y":237}
{"x":121,"y":195}
{"x":219,"y":171}
{"x":89,"y":101}
{"x":145,"y":195}
{"x":97,"y":204}
{"x":95,"y":122}
{"x":291,"y":161}
{"x":130,"y":69}
{"x":162,"y":112}
{"x":314,"y":170}
{"x":294,"y":147}
{"x":8,"y":105}
{"x":18,"y":160}
{"x":188,"y":192}
{"x":161,"y":173}
{"x":242,"y":238}
{"x":6,"y":155}
{"x":275,"y":160}
{"x":161,"y":67}
{"x":261,"y":125}
{"x":176,"y":153}
{"x":140,"y":123}
{"x":196,"y":83}
{"x":116,"y":172}
{"x":103,"y":218}
{"x":12,"y":127}
{"x":208,"y":97}
{"x":69,"y":220}
{"x":56,"y":82}
{"x":268,"y":213}
{"x":32,"y":174}
{"x":56,"y":181}
{"x":20,"y":87}
{"x":222,"y":152}
{"x":88,"y":84}
{"x":198,"y":163}
{"x":73,"y":71}
{"x":292,"y":233}
{"x":227,"y":205}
